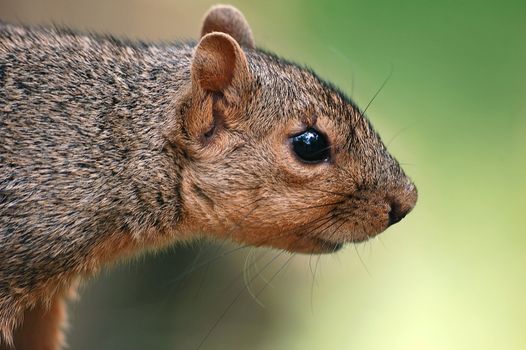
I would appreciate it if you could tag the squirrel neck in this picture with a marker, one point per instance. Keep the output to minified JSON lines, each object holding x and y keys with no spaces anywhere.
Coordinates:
{"x":143,"y":87}
{"x":86,"y":166}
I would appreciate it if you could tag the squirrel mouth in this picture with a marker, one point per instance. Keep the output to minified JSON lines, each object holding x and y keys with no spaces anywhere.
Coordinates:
{"x":328,"y":246}
{"x":313,"y":245}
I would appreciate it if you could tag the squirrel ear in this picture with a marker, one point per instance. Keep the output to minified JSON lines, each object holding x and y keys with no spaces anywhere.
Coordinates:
{"x":227,"y":19}
{"x":218,"y":63}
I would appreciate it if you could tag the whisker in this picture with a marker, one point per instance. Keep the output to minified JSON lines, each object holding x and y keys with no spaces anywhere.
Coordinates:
{"x":202,"y":282}
{"x":209,"y":261}
{"x":325,"y":221}
{"x":312,"y":285}
{"x":379,"y":238}
{"x":246,"y":277}
{"x":319,"y":222}
{"x":183,"y":276}
{"x":239,"y":248}
{"x":361,"y":260}
{"x":242,"y":273}
{"x":338,"y":220}
{"x":401,"y":131}
{"x":281,"y":269}
{"x":225,"y":311}
{"x":222,"y":255}
{"x":378,"y":91}
{"x":314,"y":206}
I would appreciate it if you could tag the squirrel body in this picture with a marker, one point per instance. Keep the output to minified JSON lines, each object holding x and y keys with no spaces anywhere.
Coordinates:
{"x":109,"y":147}
{"x":80,"y":133}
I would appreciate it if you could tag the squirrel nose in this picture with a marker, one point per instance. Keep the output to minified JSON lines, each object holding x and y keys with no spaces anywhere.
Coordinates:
{"x":402,"y":204}
{"x":397,"y":212}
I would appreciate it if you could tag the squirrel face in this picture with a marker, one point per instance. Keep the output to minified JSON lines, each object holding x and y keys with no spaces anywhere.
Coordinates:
{"x":277,"y":157}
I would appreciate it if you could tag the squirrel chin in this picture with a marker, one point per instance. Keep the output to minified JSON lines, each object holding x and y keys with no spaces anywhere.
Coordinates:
{"x":308,"y":245}
{"x":321,"y":246}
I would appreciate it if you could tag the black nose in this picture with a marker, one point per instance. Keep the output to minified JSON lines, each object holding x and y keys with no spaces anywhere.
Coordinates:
{"x":397,"y":212}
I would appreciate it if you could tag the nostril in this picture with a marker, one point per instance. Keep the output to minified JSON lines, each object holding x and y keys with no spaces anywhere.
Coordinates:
{"x":397,"y":212}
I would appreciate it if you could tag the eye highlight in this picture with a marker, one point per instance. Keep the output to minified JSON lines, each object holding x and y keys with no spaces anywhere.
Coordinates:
{"x":311,"y":146}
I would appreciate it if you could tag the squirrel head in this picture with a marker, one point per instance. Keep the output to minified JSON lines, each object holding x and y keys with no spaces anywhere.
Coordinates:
{"x":275,"y":156}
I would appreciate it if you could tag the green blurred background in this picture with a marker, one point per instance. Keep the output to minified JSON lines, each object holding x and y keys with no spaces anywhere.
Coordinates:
{"x":452,"y":275}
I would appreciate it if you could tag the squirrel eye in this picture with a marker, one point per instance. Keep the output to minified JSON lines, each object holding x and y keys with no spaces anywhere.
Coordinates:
{"x":311,"y":146}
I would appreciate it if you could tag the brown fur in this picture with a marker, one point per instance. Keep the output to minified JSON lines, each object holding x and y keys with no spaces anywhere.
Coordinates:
{"x":41,"y":327}
{"x":109,"y":148}
{"x":228,"y":19}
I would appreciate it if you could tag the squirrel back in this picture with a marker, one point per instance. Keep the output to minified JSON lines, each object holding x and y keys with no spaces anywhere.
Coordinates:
{"x":110,"y":147}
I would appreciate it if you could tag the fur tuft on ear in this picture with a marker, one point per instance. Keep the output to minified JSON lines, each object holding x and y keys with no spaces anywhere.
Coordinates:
{"x":218,"y":63}
{"x":227,"y":19}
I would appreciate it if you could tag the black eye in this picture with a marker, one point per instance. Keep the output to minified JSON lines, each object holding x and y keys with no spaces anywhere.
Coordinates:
{"x":311,"y":146}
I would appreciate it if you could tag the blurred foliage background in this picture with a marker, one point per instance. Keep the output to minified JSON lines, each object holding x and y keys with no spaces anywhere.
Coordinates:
{"x":452,"y":275}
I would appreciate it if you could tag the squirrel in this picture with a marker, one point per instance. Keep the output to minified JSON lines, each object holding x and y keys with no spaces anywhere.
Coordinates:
{"x":110,"y":147}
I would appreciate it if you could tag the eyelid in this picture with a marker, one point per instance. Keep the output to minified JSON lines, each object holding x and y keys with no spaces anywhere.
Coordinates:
{"x":304,"y":125}
{"x":310,"y":122}
{"x":323,"y":134}
{"x":307,"y":128}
